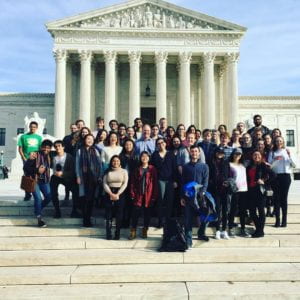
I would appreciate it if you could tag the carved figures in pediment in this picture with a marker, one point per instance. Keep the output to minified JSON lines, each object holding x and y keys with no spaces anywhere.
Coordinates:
{"x":147,"y":16}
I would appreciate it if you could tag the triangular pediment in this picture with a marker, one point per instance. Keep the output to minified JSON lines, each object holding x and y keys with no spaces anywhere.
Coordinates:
{"x":145,"y":15}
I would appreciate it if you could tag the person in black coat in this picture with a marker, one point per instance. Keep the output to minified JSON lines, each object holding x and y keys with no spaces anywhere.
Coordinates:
{"x":258,"y":176}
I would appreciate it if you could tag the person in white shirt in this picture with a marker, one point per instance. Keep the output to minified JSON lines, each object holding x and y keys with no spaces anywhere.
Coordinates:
{"x":111,"y":149}
{"x":281,"y":164}
{"x":239,"y":199}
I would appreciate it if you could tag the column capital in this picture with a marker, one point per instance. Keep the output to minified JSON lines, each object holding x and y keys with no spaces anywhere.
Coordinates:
{"x":60,"y":54}
{"x":208,"y":57}
{"x":85,"y":55}
{"x":161,"y":56}
{"x":134,"y":56}
{"x":232,"y":57}
{"x":110,"y":56}
{"x":185,"y":57}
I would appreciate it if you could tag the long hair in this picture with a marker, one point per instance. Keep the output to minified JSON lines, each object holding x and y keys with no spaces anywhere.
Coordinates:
{"x":275,"y":148}
{"x":142,"y":153}
{"x":108,"y":138}
{"x":133,"y":146}
{"x":110,"y":167}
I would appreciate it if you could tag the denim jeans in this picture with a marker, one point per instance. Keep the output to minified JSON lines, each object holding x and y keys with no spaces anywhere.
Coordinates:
{"x":39,"y":204}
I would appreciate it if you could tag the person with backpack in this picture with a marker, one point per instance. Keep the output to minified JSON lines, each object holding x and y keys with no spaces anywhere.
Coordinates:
{"x":194,"y":171}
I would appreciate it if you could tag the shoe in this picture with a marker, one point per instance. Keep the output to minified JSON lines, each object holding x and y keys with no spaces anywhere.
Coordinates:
{"x":218,"y":235}
{"x":159,"y":224}
{"x":224,"y":235}
{"x":258,"y":234}
{"x":132,"y":235}
{"x":203,"y":238}
{"x":57,"y":214}
{"x":283,"y":224}
{"x":145,"y":233}
{"x":277,"y":223}
{"x":232,"y":233}
{"x":27,"y":198}
{"x":87,"y":223}
{"x":244,"y":233}
{"x":75,"y":214}
{"x":41,"y":223}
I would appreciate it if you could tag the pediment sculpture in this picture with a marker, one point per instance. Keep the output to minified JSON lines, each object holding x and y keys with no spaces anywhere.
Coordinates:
{"x":146,"y":17}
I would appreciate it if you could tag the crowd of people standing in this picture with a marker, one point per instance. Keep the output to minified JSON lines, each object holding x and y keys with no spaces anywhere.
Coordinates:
{"x":141,"y":171}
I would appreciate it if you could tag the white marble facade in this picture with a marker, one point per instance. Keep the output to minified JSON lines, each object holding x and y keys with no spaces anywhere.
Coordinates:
{"x":106,"y":58}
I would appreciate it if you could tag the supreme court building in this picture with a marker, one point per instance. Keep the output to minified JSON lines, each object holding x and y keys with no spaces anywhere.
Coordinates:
{"x":147,"y":58}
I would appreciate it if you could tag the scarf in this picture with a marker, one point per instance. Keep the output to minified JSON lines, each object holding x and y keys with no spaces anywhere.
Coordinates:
{"x":90,"y":163}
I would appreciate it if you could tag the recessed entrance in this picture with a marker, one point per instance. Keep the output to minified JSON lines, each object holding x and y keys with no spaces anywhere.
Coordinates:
{"x":148,"y":114}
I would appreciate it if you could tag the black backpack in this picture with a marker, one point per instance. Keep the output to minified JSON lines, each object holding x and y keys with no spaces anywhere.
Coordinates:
{"x":173,"y":237}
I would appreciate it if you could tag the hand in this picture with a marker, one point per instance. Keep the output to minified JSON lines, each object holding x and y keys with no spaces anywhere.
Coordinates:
{"x":114,"y":197}
{"x":78,"y":180}
{"x":278,"y":158}
{"x":32,"y":156}
{"x":175,"y":185}
{"x":58,"y":173}
{"x":42,"y":169}
{"x":260,"y":181}
{"x":182,"y":202}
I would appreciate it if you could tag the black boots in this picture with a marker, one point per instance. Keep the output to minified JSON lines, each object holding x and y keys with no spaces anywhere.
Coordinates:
{"x":108,"y":230}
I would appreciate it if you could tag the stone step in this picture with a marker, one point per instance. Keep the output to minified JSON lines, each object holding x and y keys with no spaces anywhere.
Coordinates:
{"x":150,"y":273}
{"x":67,"y":221}
{"x":29,"y":211}
{"x":147,"y":256}
{"x":98,"y":230}
{"x":173,"y":290}
{"x":243,"y":290}
{"x":136,"y":291}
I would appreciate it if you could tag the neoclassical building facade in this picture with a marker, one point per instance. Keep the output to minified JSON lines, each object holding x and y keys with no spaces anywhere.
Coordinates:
{"x":146,"y":58}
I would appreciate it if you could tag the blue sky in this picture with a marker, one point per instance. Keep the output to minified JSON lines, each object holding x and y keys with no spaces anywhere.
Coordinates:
{"x":269,"y":62}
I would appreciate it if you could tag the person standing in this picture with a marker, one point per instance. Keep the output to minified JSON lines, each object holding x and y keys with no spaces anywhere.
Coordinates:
{"x":145,"y":143}
{"x":67,"y":140}
{"x":219,"y":170}
{"x":258,"y":175}
{"x":282,"y":164}
{"x":143,"y":191}
{"x":196,"y":171}
{"x":38,"y":168}
{"x":207,"y":146}
{"x":63,"y":165}
{"x":89,"y":175}
{"x":114,"y":183}
{"x":99,"y":126}
{"x":165,"y":164}
{"x":239,"y":199}
{"x":257,"y":120}
{"x":27,"y":143}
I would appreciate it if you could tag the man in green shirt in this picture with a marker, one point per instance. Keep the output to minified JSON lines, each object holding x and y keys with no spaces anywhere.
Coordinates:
{"x":27,"y":143}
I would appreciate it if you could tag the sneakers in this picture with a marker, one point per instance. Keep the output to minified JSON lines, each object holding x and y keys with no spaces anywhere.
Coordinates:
{"x":224,"y":235}
{"x":41,"y":223}
{"x":218,"y":235}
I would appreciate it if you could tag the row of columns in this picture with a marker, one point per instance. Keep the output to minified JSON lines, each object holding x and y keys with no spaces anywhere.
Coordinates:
{"x":230,"y":101}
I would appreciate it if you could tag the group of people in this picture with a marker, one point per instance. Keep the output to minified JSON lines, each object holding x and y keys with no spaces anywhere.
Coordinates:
{"x":141,"y":170}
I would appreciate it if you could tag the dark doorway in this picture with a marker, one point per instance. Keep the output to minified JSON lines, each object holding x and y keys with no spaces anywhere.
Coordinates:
{"x":148,"y":114}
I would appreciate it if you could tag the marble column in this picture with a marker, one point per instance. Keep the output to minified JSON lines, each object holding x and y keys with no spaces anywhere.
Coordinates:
{"x":232,"y":89}
{"x":110,"y":57}
{"x":60,"y":93}
{"x":209,"y":91}
{"x":220,"y":110}
{"x":85,"y":86}
{"x":201,"y":95}
{"x":134,"y":85}
{"x":161,"y":84}
{"x":184,"y":105}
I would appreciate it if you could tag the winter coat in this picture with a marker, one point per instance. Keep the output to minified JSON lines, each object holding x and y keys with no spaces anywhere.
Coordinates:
{"x":151,"y":191}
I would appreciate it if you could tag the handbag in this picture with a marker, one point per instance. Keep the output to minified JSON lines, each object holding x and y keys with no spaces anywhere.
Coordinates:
{"x":28,"y":184}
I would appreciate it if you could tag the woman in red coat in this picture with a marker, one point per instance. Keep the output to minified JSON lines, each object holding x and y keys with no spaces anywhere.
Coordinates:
{"x":143,"y":191}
